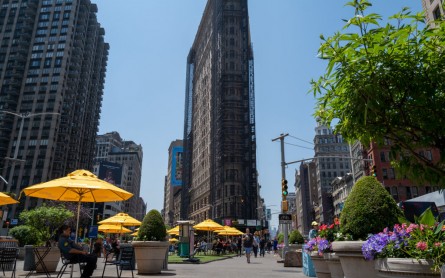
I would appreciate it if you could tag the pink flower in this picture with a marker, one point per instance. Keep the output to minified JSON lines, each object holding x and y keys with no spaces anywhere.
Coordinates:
{"x":437,"y":244}
{"x":421,"y":245}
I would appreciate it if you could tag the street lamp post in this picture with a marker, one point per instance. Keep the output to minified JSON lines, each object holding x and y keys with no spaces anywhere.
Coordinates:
{"x":14,"y":159}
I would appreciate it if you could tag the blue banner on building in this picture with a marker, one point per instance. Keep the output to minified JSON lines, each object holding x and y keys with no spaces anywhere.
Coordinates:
{"x":177,"y":166}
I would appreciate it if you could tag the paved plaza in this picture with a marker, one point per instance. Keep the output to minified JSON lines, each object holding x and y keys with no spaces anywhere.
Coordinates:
{"x":231,"y":267}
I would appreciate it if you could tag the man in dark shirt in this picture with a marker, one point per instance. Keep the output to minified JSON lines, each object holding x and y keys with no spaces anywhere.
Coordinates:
{"x":248,"y":243}
{"x":75,"y":253}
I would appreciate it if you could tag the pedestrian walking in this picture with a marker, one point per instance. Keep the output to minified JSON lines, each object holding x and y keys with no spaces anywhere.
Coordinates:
{"x":239,"y":246}
{"x":262,"y":246}
{"x":275,"y":246}
{"x":256,"y":243}
{"x":248,"y":243}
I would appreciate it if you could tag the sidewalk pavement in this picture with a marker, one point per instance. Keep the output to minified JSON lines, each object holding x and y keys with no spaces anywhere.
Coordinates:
{"x":231,"y":268}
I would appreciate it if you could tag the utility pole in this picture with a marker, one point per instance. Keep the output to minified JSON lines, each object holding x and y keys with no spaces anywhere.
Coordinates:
{"x":284,"y":205}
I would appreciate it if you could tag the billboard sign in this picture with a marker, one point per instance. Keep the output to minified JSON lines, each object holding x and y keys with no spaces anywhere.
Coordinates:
{"x":177,"y":166}
{"x":110,"y":172}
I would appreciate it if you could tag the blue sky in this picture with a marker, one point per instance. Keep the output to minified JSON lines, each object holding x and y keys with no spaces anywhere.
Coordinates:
{"x":145,"y":83}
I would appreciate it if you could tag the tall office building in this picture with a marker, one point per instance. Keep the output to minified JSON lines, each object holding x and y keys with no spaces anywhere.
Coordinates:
{"x":307,"y":197}
{"x":331,"y":161}
{"x":220,"y":177}
{"x":173,"y":181}
{"x":52,"y":68}
{"x":120,"y":161}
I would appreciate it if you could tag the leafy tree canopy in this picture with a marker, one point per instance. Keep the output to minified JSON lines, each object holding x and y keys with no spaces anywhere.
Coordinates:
{"x":387,"y":82}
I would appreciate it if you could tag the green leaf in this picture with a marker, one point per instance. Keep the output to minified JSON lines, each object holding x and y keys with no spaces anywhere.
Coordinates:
{"x":427,"y":218}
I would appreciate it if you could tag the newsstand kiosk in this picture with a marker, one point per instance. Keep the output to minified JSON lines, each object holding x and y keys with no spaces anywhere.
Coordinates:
{"x":186,"y":238}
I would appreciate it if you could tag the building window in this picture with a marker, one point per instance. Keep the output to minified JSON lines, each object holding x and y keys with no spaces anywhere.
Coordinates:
{"x":391,"y":174}
{"x":408,"y":192}
{"x":436,"y":13}
{"x":382,"y":157}
{"x":385,"y":173}
{"x":394,"y":193}
{"x":414,"y":191}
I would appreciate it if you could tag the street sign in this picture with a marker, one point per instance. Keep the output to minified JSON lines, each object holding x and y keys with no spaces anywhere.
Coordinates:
{"x":14,"y":221}
{"x":284,"y":218}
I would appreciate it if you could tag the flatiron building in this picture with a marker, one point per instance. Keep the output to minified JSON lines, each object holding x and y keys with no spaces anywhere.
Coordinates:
{"x":220,"y":174}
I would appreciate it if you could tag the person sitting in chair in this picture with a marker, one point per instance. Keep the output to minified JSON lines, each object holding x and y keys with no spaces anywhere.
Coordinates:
{"x":75,"y":253}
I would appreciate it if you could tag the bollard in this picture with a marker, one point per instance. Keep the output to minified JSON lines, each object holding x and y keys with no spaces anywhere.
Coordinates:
{"x":29,"y":262}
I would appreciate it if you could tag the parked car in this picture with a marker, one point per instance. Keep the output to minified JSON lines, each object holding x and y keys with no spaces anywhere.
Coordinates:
{"x":411,"y":208}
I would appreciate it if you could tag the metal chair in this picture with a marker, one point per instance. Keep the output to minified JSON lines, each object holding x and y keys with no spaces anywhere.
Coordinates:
{"x":8,"y":259}
{"x":125,"y":260}
{"x":65,"y":263}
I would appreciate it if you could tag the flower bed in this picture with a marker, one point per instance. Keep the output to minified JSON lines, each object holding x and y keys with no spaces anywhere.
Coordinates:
{"x":417,"y":241}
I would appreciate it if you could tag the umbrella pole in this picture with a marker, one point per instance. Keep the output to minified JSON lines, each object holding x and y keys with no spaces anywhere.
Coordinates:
{"x":77,"y":224}
{"x":77,"y":230}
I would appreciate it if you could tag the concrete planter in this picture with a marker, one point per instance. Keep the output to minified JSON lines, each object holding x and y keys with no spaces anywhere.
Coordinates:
{"x":334,"y":265}
{"x":150,"y":255}
{"x":352,"y":260}
{"x":403,"y":267}
{"x":51,"y":259}
{"x":320,"y":265}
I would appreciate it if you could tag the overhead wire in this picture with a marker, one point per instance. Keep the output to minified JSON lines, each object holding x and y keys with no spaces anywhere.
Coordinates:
{"x":298,"y":146}
{"x":301,"y":139}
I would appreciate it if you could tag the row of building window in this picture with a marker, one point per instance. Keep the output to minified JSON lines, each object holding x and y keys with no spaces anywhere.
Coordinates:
{"x":332,"y":148}
{"x":45,"y":9}
{"x":334,"y":165}
{"x":58,"y":2}
{"x":332,"y":174}
{"x":44,"y":79}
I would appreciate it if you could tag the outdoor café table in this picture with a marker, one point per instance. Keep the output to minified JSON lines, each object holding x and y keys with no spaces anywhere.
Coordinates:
{"x":40,"y":254}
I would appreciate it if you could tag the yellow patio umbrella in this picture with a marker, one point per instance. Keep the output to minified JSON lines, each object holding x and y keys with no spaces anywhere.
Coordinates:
{"x":7,"y":200}
{"x":228,"y":229}
{"x":208,"y":225}
{"x":113,"y":229}
{"x":122,"y":219}
{"x":229,"y":233}
{"x":134,"y":234}
{"x":78,"y":186}
{"x":173,"y":240}
{"x":173,"y":231}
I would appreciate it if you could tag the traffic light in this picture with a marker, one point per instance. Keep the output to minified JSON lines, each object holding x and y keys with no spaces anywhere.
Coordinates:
{"x":374,"y":171}
{"x":284,"y":188}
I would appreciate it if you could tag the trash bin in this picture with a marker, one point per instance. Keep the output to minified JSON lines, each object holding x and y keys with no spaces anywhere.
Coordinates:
{"x":308,"y":266}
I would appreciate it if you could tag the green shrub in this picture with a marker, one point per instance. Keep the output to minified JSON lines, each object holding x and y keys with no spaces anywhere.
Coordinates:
{"x":152,"y":227}
{"x":295,"y":237}
{"x":26,"y":235}
{"x":45,"y":221}
{"x":368,"y":209}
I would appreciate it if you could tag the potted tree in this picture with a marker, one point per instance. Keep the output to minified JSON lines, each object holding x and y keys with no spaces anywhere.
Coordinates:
{"x":368,"y":209}
{"x":40,"y":226}
{"x":150,"y":246}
